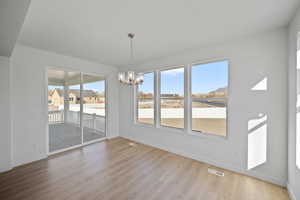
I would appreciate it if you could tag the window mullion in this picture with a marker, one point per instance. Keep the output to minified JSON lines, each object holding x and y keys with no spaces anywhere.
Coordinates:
{"x":136,"y":103}
{"x":157,"y":98}
{"x":187,"y":99}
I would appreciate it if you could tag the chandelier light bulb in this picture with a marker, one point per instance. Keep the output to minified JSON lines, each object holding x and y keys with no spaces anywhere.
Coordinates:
{"x":121,"y":77}
{"x":130,"y":78}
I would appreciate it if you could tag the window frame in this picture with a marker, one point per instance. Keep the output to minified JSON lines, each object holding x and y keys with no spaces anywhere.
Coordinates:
{"x":136,"y":103}
{"x":194,"y":132}
{"x":187,"y":130}
{"x":297,"y":132}
{"x":159,"y":98}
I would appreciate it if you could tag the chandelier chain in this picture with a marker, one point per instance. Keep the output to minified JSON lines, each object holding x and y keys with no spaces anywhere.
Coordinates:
{"x":130,"y":77}
{"x":131,"y":36}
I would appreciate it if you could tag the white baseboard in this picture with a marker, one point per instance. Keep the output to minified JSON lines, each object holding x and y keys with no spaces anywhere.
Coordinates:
{"x":28,"y":161}
{"x":223,"y":165}
{"x":112,"y":137}
{"x":6,"y":169}
{"x":291,"y":193}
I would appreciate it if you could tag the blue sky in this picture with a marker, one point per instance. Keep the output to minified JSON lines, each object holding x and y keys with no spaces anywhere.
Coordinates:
{"x":205,"y":78}
{"x":51,"y":87}
{"x":98,"y":86}
{"x":209,"y":77}
{"x":172,"y":81}
{"x":147,"y":86}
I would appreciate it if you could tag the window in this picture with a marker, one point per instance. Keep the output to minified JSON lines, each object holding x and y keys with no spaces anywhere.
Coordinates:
{"x":202,"y":89}
{"x":209,"y":86}
{"x":145,"y":100}
{"x":172,"y":98}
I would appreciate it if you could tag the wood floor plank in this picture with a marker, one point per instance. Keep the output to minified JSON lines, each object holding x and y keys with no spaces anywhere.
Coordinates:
{"x":120,"y":169}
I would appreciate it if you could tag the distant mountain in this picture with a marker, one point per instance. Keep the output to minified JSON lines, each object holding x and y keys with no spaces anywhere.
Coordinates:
{"x":220,"y":90}
{"x":218,"y":93}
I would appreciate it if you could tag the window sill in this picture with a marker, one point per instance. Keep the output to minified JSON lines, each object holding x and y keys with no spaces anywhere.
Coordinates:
{"x":207,"y":135}
{"x":144,"y":125}
{"x":172,"y":129}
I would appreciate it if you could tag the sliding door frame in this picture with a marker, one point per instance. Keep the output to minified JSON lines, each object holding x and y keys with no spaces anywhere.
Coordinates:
{"x":47,"y":68}
{"x":105,"y":104}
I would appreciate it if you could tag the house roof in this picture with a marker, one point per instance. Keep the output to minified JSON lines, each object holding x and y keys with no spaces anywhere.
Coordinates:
{"x":50,"y":92}
{"x":59,"y":91}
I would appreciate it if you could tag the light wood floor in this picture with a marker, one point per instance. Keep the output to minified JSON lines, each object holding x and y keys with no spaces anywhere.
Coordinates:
{"x":116,"y":170}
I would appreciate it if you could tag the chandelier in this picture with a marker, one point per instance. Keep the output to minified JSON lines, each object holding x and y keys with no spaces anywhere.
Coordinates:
{"x":130,"y":77}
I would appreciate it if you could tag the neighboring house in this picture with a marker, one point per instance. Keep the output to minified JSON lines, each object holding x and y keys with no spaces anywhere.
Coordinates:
{"x":50,"y":96}
{"x":56,"y":97}
{"x":89,"y":96}
{"x":145,"y":95}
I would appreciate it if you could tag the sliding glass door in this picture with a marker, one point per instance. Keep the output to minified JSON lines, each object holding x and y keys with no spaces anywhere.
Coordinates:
{"x":93,"y":116}
{"x":76,"y":109}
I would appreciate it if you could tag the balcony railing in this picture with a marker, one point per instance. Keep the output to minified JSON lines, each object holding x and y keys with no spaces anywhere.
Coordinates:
{"x":56,"y":116}
{"x":93,"y":121}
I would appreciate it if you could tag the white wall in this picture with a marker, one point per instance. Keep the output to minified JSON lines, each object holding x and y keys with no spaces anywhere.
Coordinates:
{"x":293,"y":172}
{"x":5,"y":131}
{"x":251,"y":60}
{"x":29,"y":111}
